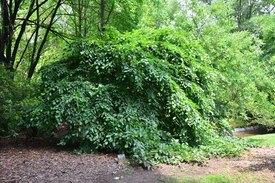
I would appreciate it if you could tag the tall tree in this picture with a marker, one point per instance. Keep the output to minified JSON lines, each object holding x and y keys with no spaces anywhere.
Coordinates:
{"x":39,"y":51}
{"x":9,"y":12}
{"x":14,"y":27}
{"x":246,"y":9}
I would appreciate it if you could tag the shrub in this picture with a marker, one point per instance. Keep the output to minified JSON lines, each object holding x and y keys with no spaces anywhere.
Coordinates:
{"x":13,"y":92}
{"x":147,"y":94}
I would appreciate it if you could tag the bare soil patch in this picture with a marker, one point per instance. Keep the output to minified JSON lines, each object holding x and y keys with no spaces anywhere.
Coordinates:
{"x":35,"y":161}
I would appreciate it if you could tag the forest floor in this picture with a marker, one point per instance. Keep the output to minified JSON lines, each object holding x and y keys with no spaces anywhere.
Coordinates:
{"x":33,"y":161}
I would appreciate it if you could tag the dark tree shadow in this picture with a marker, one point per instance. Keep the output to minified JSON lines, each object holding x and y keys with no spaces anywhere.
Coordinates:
{"x":266,"y":163}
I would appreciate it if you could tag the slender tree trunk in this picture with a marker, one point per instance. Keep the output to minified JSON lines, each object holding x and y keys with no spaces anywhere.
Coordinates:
{"x":239,"y":16}
{"x":102,"y":16}
{"x":39,"y":51}
{"x":36,"y":33}
{"x":85,"y":19}
{"x":5,"y":53}
{"x":22,"y":31}
{"x":80,"y":18}
{"x":2,"y":47}
{"x":250,"y":8}
{"x":75,"y":21}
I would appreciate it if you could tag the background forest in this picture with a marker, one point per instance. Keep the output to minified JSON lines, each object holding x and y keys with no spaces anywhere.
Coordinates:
{"x":159,"y":80}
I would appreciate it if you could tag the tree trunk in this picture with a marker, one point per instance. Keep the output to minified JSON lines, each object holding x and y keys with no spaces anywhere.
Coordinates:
{"x":39,"y":51}
{"x":250,"y":8}
{"x":102,"y":16}
{"x":22,"y":31}
{"x":5,"y":54}
{"x":80,"y":18}
{"x":239,"y":16}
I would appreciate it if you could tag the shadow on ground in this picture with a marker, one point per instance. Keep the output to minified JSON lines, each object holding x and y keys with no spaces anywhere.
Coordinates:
{"x":264,"y":164}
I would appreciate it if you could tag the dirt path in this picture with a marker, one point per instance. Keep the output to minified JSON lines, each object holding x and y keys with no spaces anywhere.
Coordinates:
{"x":34,"y":162}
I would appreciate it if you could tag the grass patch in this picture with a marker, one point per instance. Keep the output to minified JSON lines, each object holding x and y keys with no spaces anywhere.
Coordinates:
{"x":262,"y":140}
{"x":205,"y":179}
{"x":219,"y":178}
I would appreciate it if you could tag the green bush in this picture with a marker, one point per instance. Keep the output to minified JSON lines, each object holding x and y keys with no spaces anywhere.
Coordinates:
{"x":13,"y":93}
{"x":148,"y":94}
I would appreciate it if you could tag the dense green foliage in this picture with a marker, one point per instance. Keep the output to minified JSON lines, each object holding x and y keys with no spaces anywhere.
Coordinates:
{"x":13,"y":100}
{"x":148,"y":94}
{"x":246,"y":92}
{"x":168,"y":90}
{"x":6,"y":97}
{"x":241,"y":49}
